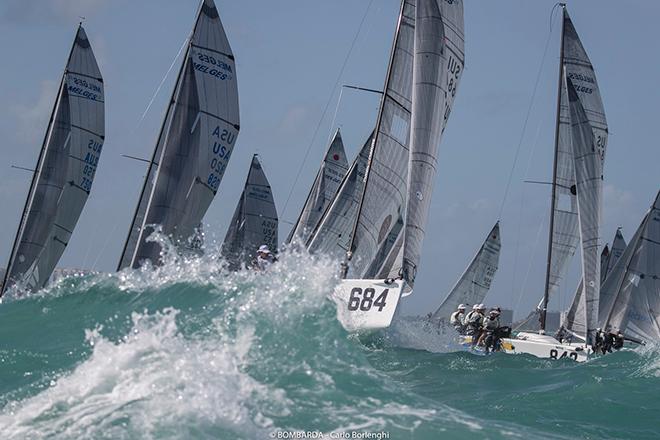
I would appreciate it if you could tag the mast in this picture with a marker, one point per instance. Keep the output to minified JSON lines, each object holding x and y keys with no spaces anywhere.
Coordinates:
{"x":546,"y":293}
{"x":349,"y":250}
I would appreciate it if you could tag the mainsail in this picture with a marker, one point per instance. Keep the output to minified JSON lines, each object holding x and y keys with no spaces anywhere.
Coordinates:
{"x":439,"y":60}
{"x":326,"y":184}
{"x":254,"y":222}
{"x":64,"y":173}
{"x":473,"y":285}
{"x":635,"y":283}
{"x":194,"y":146}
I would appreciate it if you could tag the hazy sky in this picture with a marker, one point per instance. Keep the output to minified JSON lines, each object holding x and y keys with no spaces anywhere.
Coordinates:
{"x":288,"y":54}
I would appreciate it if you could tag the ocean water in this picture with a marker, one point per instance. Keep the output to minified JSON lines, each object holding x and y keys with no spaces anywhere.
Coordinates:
{"x":190,"y":351}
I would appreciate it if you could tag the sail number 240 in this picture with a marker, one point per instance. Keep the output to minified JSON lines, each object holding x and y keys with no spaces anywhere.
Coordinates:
{"x":363,"y":300}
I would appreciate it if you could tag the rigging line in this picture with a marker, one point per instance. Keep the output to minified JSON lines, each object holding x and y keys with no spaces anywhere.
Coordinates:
{"x":160,"y":86}
{"x":334,"y":117}
{"x":531,"y":260}
{"x":529,"y":111}
{"x":327,"y":105}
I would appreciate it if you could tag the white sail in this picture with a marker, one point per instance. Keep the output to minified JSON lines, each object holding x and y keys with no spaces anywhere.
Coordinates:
{"x":64,"y":173}
{"x":635,"y":283}
{"x":438,"y":67}
{"x":194,"y":146}
{"x":326,"y":184}
{"x":589,"y":181}
{"x":254,"y":222}
{"x":575,"y":318}
{"x":333,"y":231}
{"x":473,"y":285}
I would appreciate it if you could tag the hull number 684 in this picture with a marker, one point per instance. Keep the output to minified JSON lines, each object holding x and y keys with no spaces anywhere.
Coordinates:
{"x":364,"y":300}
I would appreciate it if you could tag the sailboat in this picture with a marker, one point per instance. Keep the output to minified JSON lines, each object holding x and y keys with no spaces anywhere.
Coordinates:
{"x":630,"y":297}
{"x":326,"y":184}
{"x":384,"y":246}
{"x":64,"y":173}
{"x":194,"y":146}
{"x":254,"y":222}
{"x":580,"y":142}
{"x":473,"y":285}
{"x":608,"y":261}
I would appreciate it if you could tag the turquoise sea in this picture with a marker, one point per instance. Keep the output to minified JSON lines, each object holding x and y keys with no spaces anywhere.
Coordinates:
{"x":190,"y":351}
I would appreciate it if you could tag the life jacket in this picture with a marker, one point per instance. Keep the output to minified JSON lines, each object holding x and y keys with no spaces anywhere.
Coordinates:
{"x":491,"y":324}
{"x":456,"y":318}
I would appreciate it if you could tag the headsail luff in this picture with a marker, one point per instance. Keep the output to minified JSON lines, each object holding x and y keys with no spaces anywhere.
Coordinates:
{"x":326,"y":184}
{"x":383,"y":199}
{"x":617,"y":249}
{"x":473,"y":285}
{"x":332,"y":233}
{"x":254,"y":222}
{"x":439,"y":60}
{"x":635,"y":283}
{"x":64,"y":173}
{"x":194,"y":146}
{"x":589,"y":182}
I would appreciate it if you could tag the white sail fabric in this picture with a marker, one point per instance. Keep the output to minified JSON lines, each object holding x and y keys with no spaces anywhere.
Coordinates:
{"x":254,"y":222}
{"x":64,"y":173}
{"x":385,"y":190}
{"x":194,"y":146}
{"x":333,"y":232}
{"x":326,"y":184}
{"x":618,"y":247}
{"x":473,"y":285}
{"x":575,"y":316}
{"x":635,"y":283}
{"x":438,"y":65}
{"x":589,"y":182}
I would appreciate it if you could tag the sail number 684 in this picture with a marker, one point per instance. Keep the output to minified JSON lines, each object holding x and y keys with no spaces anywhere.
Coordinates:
{"x":364,"y":300}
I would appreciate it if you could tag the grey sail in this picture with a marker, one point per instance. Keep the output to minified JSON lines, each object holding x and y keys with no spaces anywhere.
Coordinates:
{"x":333,"y":232}
{"x":473,"y":285}
{"x":574,"y":320}
{"x":326,"y":184}
{"x":254,"y":222}
{"x":64,"y":172}
{"x":589,"y":182}
{"x":439,"y":60}
{"x":635,"y":283}
{"x":194,"y":145}
{"x":578,"y":69}
{"x":617,"y":249}
{"x":385,"y":190}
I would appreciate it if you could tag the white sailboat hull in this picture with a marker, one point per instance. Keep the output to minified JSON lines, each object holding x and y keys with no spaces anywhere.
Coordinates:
{"x":545,"y":347}
{"x":367,"y":305}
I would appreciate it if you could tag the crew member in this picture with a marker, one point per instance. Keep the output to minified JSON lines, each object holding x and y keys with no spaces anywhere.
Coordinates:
{"x":457,"y":319}
{"x":490,"y":325}
{"x":265,"y":258}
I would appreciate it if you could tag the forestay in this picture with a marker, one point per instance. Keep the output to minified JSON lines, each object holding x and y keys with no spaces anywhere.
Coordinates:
{"x":438,"y":66}
{"x":64,"y":172}
{"x":475,"y":282}
{"x":254,"y":222}
{"x":635,"y":283}
{"x":326,"y":184}
{"x":332,"y":234}
{"x":194,"y":146}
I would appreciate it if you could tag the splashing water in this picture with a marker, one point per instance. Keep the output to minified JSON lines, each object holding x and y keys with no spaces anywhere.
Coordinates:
{"x":188,"y":350}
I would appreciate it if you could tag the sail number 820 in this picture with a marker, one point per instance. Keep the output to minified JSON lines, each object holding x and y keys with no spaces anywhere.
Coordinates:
{"x":364,"y":299}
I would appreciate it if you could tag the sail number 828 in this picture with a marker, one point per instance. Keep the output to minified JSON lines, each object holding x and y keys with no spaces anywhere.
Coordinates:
{"x":364,"y":299}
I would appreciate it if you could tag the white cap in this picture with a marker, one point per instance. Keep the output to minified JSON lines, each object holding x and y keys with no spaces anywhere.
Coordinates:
{"x":475,"y":307}
{"x":461,"y":306}
{"x":263,"y":248}
{"x":481,"y":307}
